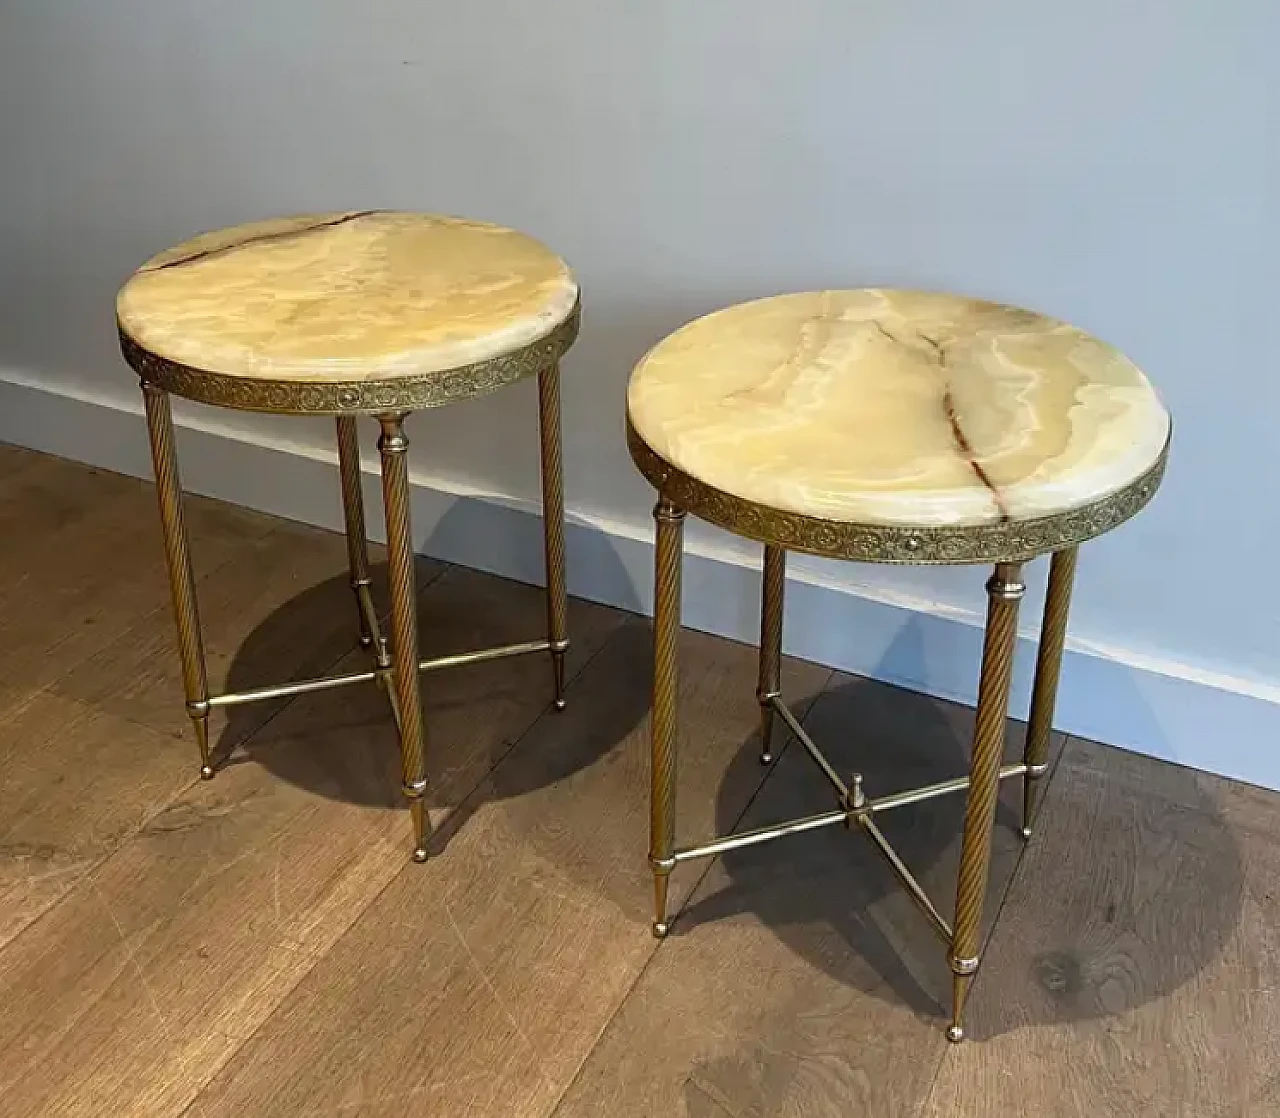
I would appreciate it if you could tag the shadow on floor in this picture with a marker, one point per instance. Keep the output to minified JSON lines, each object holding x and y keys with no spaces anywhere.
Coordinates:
{"x":341,"y":743}
{"x":323,"y":619}
{"x":825,"y":893}
{"x":828,"y":896}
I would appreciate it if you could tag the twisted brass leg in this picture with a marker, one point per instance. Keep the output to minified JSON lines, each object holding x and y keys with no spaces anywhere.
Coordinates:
{"x":1053,"y":635}
{"x":769,"y":688}
{"x":553,"y":524}
{"x":404,"y":624}
{"x":353,"y":515}
{"x":182,"y":583}
{"x":666,"y":635}
{"x":1004,"y":590}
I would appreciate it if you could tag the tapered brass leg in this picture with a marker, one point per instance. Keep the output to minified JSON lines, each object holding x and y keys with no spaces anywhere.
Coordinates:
{"x":404,"y":624}
{"x":182,"y":582}
{"x":353,"y":515}
{"x":553,"y":524}
{"x":771,"y":600}
{"x":1053,"y":635}
{"x":1004,"y":591}
{"x":666,"y":635}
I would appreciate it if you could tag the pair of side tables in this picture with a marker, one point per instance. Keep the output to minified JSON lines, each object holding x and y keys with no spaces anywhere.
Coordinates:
{"x":872,"y":425}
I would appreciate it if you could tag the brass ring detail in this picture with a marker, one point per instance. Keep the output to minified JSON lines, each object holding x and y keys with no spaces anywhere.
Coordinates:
{"x":1011,"y":541}
{"x":354,"y":397}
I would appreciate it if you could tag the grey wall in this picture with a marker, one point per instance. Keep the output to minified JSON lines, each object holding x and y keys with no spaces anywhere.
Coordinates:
{"x":1113,"y":162}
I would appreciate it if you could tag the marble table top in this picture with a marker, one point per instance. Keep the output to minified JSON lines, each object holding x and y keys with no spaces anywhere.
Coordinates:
{"x":346,"y":296}
{"x":897,"y":407}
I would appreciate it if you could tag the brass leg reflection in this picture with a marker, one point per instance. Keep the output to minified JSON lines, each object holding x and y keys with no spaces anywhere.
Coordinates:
{"x":666,"y":635}
{"x":1004,"y":591}
{"x":353,"y":515}
{"x":404,"y":624}
{"x":769,"y":688}
{"x":1053,"y":635}
{"x":182,"y":583}
{"x":553,"y":524}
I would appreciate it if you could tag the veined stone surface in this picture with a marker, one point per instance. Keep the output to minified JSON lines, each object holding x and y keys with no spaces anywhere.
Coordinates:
{"x":897,"y":407}
{"x":346,"y":296}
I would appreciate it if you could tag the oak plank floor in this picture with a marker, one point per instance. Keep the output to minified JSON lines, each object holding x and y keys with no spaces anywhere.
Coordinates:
{"x":82,"y":561}
{"x":260,"y":945}
{"x":280,"y":609}
{"x":800,"y":979}
{"x":81,"y":603}
{"x":95,"y":740}
{"x":134,"y":989}
{"x":1137,"y":968}
{"x":126,"y":995}
{"x":88,"y":738}
{"x":531,"y":925}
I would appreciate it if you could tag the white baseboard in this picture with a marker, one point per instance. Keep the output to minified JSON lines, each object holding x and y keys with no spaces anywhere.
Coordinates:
{"x":1217,"y":723}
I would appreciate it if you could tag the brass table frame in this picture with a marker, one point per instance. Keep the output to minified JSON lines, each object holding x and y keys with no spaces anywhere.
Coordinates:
{"x":397,"y":665}
{"x":1006,"y":545}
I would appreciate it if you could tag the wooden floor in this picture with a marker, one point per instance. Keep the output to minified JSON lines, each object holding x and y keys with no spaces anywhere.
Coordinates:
{"x":261,"y":945}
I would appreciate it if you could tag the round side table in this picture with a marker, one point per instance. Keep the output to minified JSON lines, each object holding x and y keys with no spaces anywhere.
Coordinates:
{"x":349,"y":314}
{"x":890,"y":427}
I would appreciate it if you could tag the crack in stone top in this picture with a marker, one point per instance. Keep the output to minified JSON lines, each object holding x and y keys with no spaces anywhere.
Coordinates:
{"x":962,"y":440}
{"x":343,"y":298}
{"x":260,"y":238}
{"x":949,"y":407}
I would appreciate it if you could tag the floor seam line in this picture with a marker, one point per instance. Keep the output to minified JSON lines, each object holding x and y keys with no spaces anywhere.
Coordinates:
{"x":542,"y":713}
{"x":178,"y":794}
{"x":710,"y":864}
{"x":1042,"y":801}
{"x":408,"y":867}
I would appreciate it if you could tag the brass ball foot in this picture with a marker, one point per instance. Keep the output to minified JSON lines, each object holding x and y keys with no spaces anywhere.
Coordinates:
{"x":955,"y":1033}
{"x":206,"y":772}
{"x":366,"y":642}
{"x":420,"y":855}
{"x":766,"y":758}
{"x":560,"y":704}
{"x":661,"y":928}
{"x":1026,"y":832}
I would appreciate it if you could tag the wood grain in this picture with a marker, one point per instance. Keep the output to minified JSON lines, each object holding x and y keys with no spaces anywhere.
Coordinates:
{"x":801,"y":980}
{"x":474,"y":715}
{"x":477,"y":984}
{"x":74,"y":783}
{"x":72,"y":580}
{"x":259,"y":944}
{"x":40,"y":495}
{"x":93,"y":740}
{"x":1137,"y":970}
{"x":279,"y":609}
{"x":128,"y":995}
